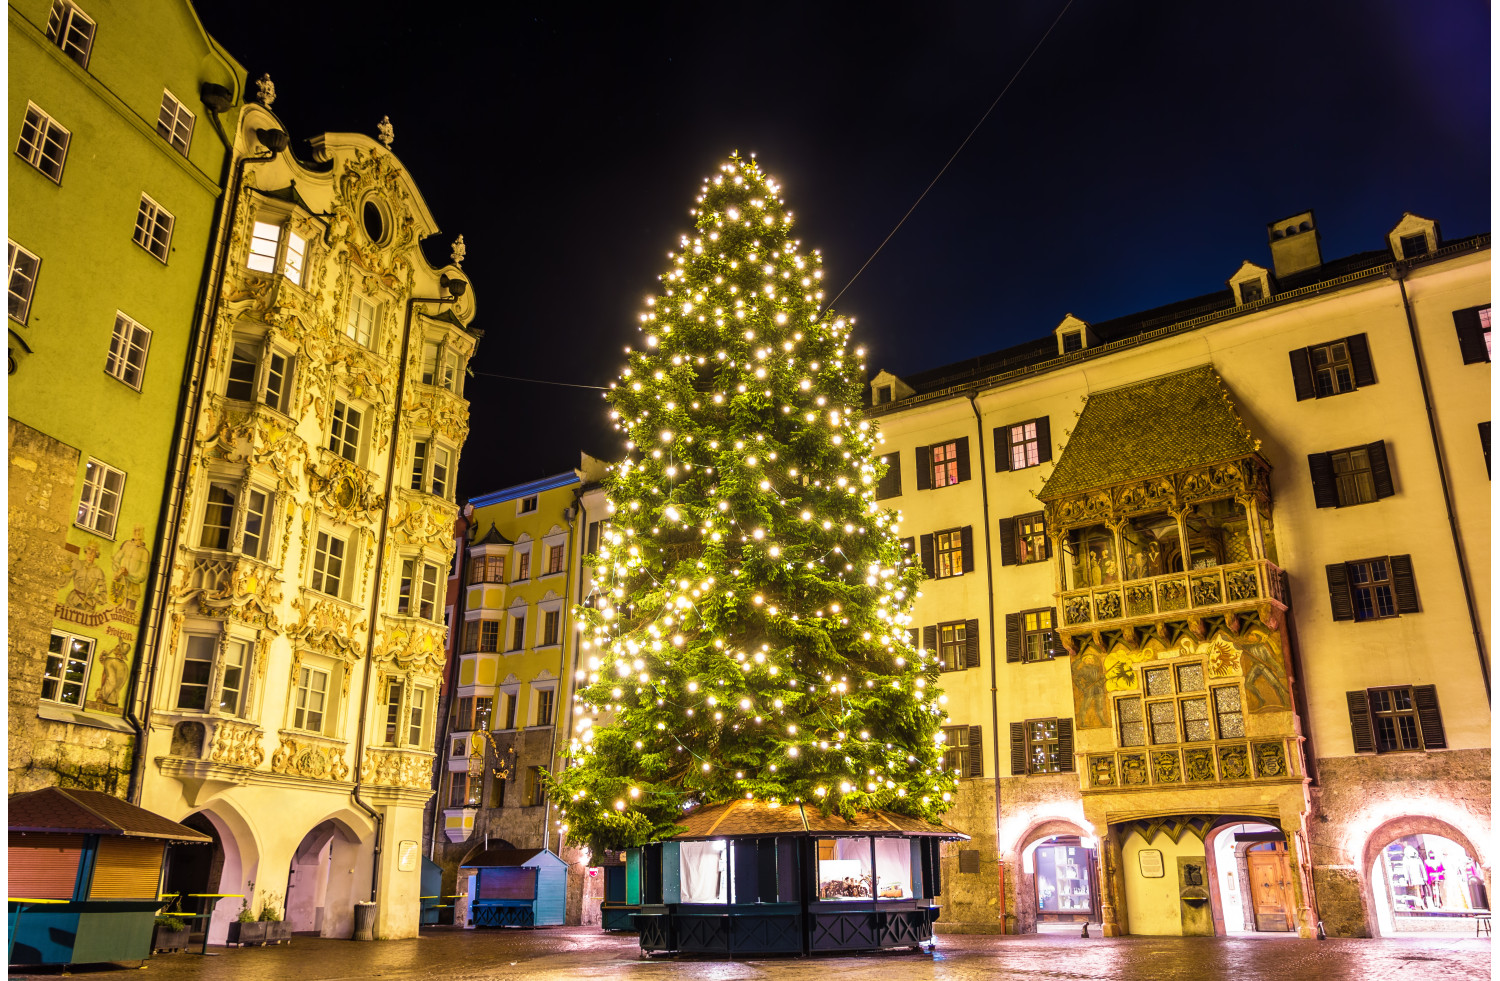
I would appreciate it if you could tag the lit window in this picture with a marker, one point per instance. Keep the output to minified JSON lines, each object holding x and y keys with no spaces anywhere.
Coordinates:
{"x":1024,"y":451}
{"x":944,"y":464}
{"x":360,"y":323}
{"x":43,"y":143}
{"x":1042,"y":754}
{"x":265,"y":242}
{"x":949,"y":555}
{"x":1039,"y":642}
{"x":343,"y":434}
{"x":127,"y":351}
{"x":23,"y":270}
{"x":72,"y":30}
{"x":1484,"y":326}
{"x":328,"y":564}
{"x":66,"y":672}
{"x":99,"y":505}
{"x":175,"y":122}
{"x":952,"y":645}
{"x":956,"y":750}
{"x":1031,"y":538}
{"x":153,"y":228}
{"x":296,"y":250}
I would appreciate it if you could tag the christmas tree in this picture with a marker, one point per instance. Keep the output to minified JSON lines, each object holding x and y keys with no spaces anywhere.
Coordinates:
{"x":748,"y":637}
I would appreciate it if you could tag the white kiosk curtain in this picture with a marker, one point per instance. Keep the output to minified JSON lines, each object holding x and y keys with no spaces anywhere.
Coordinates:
{"x":705,"y":868}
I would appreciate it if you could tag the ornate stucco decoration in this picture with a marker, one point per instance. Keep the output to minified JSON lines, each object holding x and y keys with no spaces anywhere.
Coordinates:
{"x":265,"y":90}
{"x":342,"y":490}
{"x":328,"y":628}
{"x":386,"y":132}
{"x":460,"y":250}
{"x":237,"y":744}
{"x":416,"y":647}
{"x":258,"y":435}
{"x":1246,"y":477}
{"x":301,"y":755}
{"x":424,"y":522}
{"x":227,"y":586}
{"x":437,"y":409}
{"x":397,"y":768}
{"x":364,"y":173}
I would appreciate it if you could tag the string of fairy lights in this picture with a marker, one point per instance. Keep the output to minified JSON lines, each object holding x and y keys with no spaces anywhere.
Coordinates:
{"x":748,"y":634}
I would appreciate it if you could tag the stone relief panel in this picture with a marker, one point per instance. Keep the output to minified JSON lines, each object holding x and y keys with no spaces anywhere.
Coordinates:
{"x":305,"y":756}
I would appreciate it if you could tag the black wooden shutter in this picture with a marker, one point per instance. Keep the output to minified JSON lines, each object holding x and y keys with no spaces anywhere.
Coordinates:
{"x":967,"y":535}
{"x":924,"y":467}
{"x":929,"y":563}
{"x":1428,"y":717}
{"x":1338,"y":591}
{"x":962,"y":449}
{"x":1007,"y":541}
{"x":1302,"y":379}
{"x":890,"y":484}
{"x":929,"y":639}
{"x":1359,"y":721}
{"x":1380,"y":469}
{"x":909,"y":546}
{"x":1065,"y":745}
{"x":911,"y":635}
{"x":1484,"y":441}
{"x":1325,"y":489}
{"x":971,"y":643}
{"x":1015,"y":637}
{"x":1017,"y":748}
{"x":1405,"y":584}
{"x":1359,"y":354}
{"x":1470,"y":335}
{"x":976,"y":754}
{"x":1002,"y":448}
{"x":1043,"y":440}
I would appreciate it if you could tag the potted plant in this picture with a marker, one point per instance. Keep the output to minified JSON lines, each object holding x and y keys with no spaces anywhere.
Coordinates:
{"x":273,"y":919}
{"x":246,"y":929}
{"x":171,"y":933}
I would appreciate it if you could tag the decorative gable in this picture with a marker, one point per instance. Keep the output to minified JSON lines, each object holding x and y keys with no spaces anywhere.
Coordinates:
{"x":886,"y":388}
{"x":1414,"y":236}
{"x":1074,"y":334}
{"x":1250,"y":283}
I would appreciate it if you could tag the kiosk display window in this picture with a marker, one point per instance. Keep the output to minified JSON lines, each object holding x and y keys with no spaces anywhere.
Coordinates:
{"x":1062,"y":879}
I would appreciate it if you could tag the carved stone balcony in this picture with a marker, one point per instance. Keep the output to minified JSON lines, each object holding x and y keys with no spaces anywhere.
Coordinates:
{"x":1215,"y":590}
{"x":1173,"y":767}
{"x":406,"y":768}
{"x":224,"y":583}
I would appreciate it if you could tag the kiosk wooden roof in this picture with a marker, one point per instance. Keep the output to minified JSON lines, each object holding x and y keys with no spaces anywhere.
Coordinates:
{"x":756,"y":818}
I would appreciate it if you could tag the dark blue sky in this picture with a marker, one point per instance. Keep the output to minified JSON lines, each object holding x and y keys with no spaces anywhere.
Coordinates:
{"x":1135,"y":162}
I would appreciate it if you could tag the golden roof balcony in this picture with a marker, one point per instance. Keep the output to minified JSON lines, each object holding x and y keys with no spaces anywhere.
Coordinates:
{"x":1222,"y":589}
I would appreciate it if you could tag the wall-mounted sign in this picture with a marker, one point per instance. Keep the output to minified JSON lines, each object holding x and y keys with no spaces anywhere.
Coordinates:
{"x":406,"y":856}
{"x":1151,"y":863}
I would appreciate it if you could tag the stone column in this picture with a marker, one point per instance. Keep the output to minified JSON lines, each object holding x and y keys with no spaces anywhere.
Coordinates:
{"x":1299,"y":857}
{"x":1112,"y":912}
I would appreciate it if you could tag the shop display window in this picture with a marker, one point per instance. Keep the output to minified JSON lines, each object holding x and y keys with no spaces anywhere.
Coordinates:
{"x":1432,"y":875}
{"x":844,"y":868}
{"x":1062,"y":879}
{"x":893,"y":868}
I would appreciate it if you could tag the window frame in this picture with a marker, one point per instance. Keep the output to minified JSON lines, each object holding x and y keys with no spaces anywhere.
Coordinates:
{"x":65,"y":655}
{"x":551,"y":628}
{"x":1044,"y":651}
{"x":1371,"y":588}
{"x":956,"y":746}
{"x":15,"y":252}
{"x":543,"y":697}
{"x":414,"y":572}
{"x":215,"y":681}
{"x":241,"y":491}
{"x":957,"y":643}
{"x":527,"y":504}
{"x":118,"y":366}
{"x":1029,"y":445}
{"x":178,"y":110}
{"x":1051,"y":765}
{"x":90,"y":508}
{"x":442,"y":366}
{"x":953,"y":552}
{"x":36,"y":150}
{"x":358,"y":302}
{"x":262,"y":372}
{"x":472,"y":797}
{"x":517,"y":619}
{"x":319,"y":577}
{"x":1176,"y":698}
{"x":943,"y":459}
{"x":60,"y":29}
{"x":424,"y":467}
{"x":300,"y":712}
{"x":338,"y":442}
{"x":557,"y":559}
{"x":148,"y":222}
{"x":279,"y":260}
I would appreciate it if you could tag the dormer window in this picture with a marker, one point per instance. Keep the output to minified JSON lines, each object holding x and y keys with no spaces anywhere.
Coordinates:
{"x":1072,"y":341}
{"x":1073,"y":334}
{"x":1414,"y":245}
{"x":270,"y":254}
{"x":1413,"y":237}
{"x":1251,"y":291}
{"x":882,"y":394}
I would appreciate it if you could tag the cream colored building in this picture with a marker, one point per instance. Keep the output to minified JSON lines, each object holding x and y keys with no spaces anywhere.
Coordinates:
{"x":293,"y":684}
{"x":1211,"y":582}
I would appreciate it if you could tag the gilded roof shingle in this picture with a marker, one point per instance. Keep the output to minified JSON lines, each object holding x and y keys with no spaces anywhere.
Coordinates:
{"x":1148,"y":428}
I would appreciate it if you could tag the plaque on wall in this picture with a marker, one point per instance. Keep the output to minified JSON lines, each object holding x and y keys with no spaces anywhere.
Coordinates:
{"x":1151,"y":863}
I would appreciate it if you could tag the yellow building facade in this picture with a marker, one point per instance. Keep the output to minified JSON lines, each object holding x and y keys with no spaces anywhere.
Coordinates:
{"x":293,"y":684}
{"x":1210,"y":588}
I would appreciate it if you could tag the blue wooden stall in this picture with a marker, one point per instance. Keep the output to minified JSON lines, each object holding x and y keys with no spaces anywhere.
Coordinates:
{"x":85,"y":876}
{"x":518,"y":887}
{"x":622,"y":890}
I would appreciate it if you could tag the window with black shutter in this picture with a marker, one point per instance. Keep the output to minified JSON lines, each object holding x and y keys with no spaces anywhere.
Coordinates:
{"x":952,"y":645}
{"x":1356,"y":475}
{"x":1473,"y":327}
{"x":946,"y":554}
{"x":890,"y":484}
{"x":1333,"y":368}
{"x":1023,"y":444}
{"x":1023,"y":539}
{"x":962,"y":751}
{"x":909,"y":547}
{"x":1372,"y":589}
{"x":1398,"y":719}
{"x":1484,"y":443}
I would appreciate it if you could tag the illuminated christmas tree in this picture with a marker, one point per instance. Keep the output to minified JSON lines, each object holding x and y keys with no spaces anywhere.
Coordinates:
{"x":748,"y":637}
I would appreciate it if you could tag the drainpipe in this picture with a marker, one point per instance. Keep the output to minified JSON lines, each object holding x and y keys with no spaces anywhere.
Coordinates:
{"x":195,"y":374}
{"x":1398,"y":272}
{"x":455,"y":630}
{"x":457,"y":288}
{"x":989,"y":572}
{"x":562,"y":664}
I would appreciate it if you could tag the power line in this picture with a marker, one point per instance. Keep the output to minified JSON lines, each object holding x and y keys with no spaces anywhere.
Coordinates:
{"x":960,"y":149}
{"x":539,"y":381}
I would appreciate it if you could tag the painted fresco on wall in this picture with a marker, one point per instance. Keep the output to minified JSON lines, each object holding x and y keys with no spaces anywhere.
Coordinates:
{"x":104,"y":593}
{"x":1265,"y":676}
{"x":1090,"y":696}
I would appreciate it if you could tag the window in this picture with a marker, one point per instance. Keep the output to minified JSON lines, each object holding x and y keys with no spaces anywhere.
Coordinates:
{"x":948,"y":553}
{"x":1023,"y":444}
{"x":890,"y":484}
{"x":1332,"y":368}
{"x":484,"y":707}
{"x":593,"y":539}
{"x":463,"y":713}
{"x":1176,"y":694}
{"x":43,"y":143}
{"x":359,"y":325}
{"x":1132,"y":726}
{"x":127,"y":351}
{"x":486,"y":568}
{"x":1048,"y":746}
{"x":1250,"y":291}
{"x":72,"y":30}
{"x":554,"y":559}
{"x":1473,"y":334}
{"x":482,"y":636}
{"x":394,"y":694}
{"x":510,"y":709}
{"x":544,"y":697}
{"x":535,"y":787}
{"x":175,"y":122}
{"x":1413,"y":245}
{"x":551,"y":619}
{"x":153,"y":228}
{"x":882,"y":394}
{"x":266,"y":248}
{"x":328,"y":564}
{"x":431,"y":467}
{"x":1228,"y":713}
{"x":343,"y":432}
{"x":1030,"y":636}
{"x":523,"y":566}
{"x":23,"y":270}
{"x":259,"y":372}
{"x":961,"y":751}
{"x":196,"y":690}
{"x":1398,"y":719}
{"x":1023,"y":539}
{"x":944,"y":464}
{"x":420,"y":578}
{"x":310,"y":699}
{"x":952,"y":645}
{"x":66,"y":673}
{"x":518,"y":635}
{"x":219,"y":519}
{"x":527,"y":505}
{"x":1372,"y":589}
{"x":439,"y":365}
{"x":1357,"y":475}
{"x":1370,"y":586}
{"x":99,"y":506}
{"x":464,"y":790}
{"x":1072,"y":341}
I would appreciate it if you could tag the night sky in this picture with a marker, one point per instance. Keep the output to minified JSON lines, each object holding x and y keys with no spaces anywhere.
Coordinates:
{"x":1135,"y":162}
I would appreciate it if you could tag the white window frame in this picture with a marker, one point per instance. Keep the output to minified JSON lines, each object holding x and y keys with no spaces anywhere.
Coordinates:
{"x":425,"y":454}
{"x":323,"y":553}
{"x":42,"y":129}
{"x":533,"y":711}
{"x":299,"y":706}
{"x":64,"y":655}
{"x":71,"y":30}
{"x":24,"y":266}
{"x":339,"y":442}
{"x":241,"y":493}
{"x":129,"y":346}
{"x":414,"y":575}
{"x":398,"y":729}
{"x":361,"y":319}
{"x":442,"y":365}
{"x":150,"y":220}
{"x":286,"y":254}
{"x":170,"y":122}
{"x":262,"y":372}
{"x":95,"y":512}
{"x":221,"y":644}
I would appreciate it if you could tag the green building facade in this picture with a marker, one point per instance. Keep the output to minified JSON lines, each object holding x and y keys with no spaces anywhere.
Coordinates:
{"x":115,"y":180}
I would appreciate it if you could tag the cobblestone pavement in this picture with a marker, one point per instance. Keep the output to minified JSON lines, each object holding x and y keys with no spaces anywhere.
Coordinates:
{"x":578,"y":953}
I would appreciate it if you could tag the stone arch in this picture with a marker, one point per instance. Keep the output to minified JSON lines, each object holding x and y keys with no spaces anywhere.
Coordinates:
{"x":239,"y":864}
{"x":481,"y":847}
{"x":1022,"y":861}
{"x":328,"y":871}
{"x":1216,"y":899}
{"x":1400,"y":827}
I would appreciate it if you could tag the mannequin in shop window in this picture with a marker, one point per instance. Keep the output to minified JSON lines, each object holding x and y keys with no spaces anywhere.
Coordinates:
{"x":1412,"y":869}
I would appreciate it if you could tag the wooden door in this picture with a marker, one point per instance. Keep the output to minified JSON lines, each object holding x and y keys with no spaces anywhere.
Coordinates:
{"x":1271,"y":890}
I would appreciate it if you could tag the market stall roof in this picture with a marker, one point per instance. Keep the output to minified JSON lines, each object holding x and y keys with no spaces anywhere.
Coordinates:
{"x":71,"y":811}
{"x":492,"y":858}
{"x":754,"y":817}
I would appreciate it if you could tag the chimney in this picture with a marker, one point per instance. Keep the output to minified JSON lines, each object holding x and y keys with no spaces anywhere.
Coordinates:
{"x":1294,"y":244}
